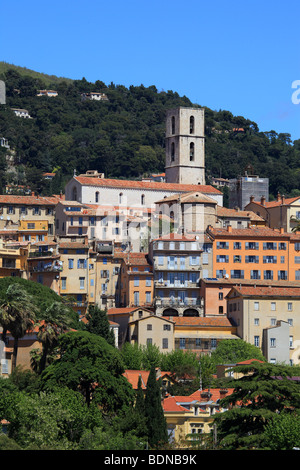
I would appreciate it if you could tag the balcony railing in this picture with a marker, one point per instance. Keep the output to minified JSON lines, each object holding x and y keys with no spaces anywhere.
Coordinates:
{"x":41,"y":254}
{"x":177,"y":303}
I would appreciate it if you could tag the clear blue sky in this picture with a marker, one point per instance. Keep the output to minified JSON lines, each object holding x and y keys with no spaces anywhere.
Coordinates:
{"x":239,"y":56}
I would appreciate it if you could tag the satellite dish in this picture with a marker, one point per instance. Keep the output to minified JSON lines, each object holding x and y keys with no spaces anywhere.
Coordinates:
{"x":123,"y":247}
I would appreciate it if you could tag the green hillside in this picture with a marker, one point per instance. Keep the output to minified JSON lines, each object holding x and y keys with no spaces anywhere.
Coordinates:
{"x":125,"y":136}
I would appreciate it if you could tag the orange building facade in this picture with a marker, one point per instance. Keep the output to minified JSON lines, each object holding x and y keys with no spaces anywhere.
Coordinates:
{"x":255,"y":253}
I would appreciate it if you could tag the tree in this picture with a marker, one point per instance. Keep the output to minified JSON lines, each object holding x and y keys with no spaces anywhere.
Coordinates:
{"x":283,"y":431}
{"x":264,"y":391}
{"x":98,"y":324}
{"x":234,"y":351}
{"x":88,"y":363}
{"x":56,"y":321}
{"x":156,"y":423}
{"x":17,"y":315}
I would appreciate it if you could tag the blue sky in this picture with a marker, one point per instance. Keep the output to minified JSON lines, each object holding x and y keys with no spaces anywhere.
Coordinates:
{"x":238,"y":56}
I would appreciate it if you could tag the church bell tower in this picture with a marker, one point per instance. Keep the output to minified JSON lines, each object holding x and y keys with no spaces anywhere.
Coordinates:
{"x":185,"y":154}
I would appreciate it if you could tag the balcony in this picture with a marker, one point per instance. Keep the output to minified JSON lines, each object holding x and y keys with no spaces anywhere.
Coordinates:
{"x":47,"y":267}
{"x":41,"y":254}
{"x":177,"y":302}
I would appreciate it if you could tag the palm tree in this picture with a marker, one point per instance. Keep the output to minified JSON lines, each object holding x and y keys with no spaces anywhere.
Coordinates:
{"x":17,"y":315}
{"x":56,"y":321}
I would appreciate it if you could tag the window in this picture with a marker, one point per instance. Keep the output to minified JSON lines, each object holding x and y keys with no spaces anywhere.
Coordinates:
{"x":273,"y":321}
{"x":282,"y":275}
{"x":273,"y":342}
{"x":97,"y":196}
{"x":256,"y":341}
{"x":167,"y":327}
{"x":149,"y":341}
{"x":143,"y":199}
{"x":120,"y":198}
{"x":172,"y":151}
{"x":192,"y":125}
{"x":251,"y":245}
{"x":237,"y":245}
{"x":273,"y":305}
{"x":255,"y":274}
{"x":256,"y":321}
{"x":192,"y":151}
{"x":149,"y":327}
{"x":181,"y":343}
{"x":81,"y":282}
{"x":148,"y":281}
{"x":291,"y":341}
{"x":63,"y":283}
{"x":165,"y":343}
{"x":222,"y":258}
{"x":30,"y":226}
{"x":136,"y":298}
{"x":220,"y":295}
{"x":290,"y":306}
{"x":268,"y":275}
{"x":136,"y":281}
{"x":173,"y":125}
{"x":256,"y":305}
{"x":71,"y":263}
{"x":148,"y":297}
{"x":222,"y":245}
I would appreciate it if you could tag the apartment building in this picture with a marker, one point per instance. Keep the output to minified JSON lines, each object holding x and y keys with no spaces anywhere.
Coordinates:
{"x":179,"y":261}
{"x":44,"y":264}
{"x":31,"y":208}
{"x":283,"y":212}
{"x":252,"y":253}
{"x":201,"y":335}
{"x":74,"y":277}
{"x":135,"y":285}
{"x":13,"y":259}
{"x":213,"y":291}
{"x":267,"y":317}
{"x":152,"y":330}
{"x":105,"y":258}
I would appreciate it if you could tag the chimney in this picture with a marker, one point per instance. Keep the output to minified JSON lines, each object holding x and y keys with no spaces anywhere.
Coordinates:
{"x":281,"y":230}
{"x":229,"y":228}
{"x":251,"y":198}
{"x":283,"y":199}
{"x":32,"y":193}
{"x":263,"y":201}
{"x":278,"y":197}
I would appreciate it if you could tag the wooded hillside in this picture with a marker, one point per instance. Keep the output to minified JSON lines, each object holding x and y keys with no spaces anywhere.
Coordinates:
{"x":124,"y":137}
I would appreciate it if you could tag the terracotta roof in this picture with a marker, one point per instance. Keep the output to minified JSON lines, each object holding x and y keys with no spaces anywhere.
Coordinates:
{"x":221,"y":321}
{"x":225,"y":212}
{"x":133,"y":377}
{"x":74,"y":245}
{"x":124,"y":310}
{"x":90,"y":181}
{"x":282,"y":201}
{"x":254,"y":232}
{"x":190,"y":197}
{"x":257,"y":291}
{"x":136,"y":259}
{"x":175,"y":403}
{"x":28,"y":200}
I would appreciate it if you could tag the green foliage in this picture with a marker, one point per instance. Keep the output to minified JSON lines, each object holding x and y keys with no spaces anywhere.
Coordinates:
{"x":259,"y":396}
{"x":234,"y":351}
{"x":155,"y":420}
{"x":98,"y":324}
{"x":125,"y":136}
{"x":88,"y":363}
{"x":283,"y":432}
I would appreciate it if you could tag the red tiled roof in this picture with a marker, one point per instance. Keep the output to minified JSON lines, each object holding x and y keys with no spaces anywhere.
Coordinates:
{"x":216,"y":321}
{"x":177,"y":236}
{"x":255,"y":232}
{"x":90,"y":181}
{"x":124,"y":310}
{"x":174,"y":403}
{"x":225,"y":212}
{"x":270,"y":291}
{"x":28,"y":200}
{"x":280,"y":202}
{"x":133,"y":377}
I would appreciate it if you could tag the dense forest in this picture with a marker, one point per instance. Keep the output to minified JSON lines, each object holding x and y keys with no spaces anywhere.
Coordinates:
{"x":124,"y":137}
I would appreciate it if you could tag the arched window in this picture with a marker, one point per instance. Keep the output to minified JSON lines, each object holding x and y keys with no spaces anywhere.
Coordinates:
{"x":120,"y":198}
{"x":192,"y":125}
{"x":192,"y":151}
{"x":97,"y":196}
{"x":74,"y":194}
{"x":173,"y":125}
{"x":172,"y":151}
{"x":143,"y":199}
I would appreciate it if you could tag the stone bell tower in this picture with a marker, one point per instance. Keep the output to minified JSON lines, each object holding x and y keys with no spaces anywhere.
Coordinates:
{"x":185,"y":154}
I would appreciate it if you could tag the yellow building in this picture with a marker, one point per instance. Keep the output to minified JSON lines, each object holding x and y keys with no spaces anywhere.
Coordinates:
{"x":201,"y":335}
{"x":136,"y":281}
{"x":153,"y":330}
{"x":74,"y":278}
{"x":33,"y":230}
{"x":188,"y":417}
{"x":13,"y":259}
{"x":44,"y":265}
